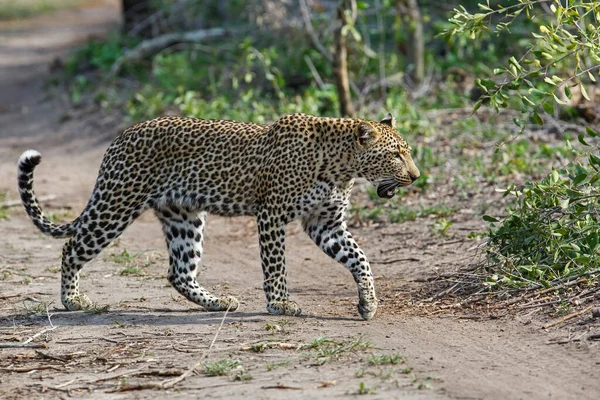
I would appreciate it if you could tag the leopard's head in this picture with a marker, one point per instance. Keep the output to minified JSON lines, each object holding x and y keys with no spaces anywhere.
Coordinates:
{"x":383,"y":157}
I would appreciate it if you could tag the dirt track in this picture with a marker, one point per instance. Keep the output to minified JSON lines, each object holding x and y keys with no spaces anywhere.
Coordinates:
{"x":150,"y":329}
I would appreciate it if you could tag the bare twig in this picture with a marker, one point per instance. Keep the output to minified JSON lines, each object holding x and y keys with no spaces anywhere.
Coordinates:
{"x":280,"y":386}
{"x":271,"y":345}
{"x":62,"y":385}
{"x":531,"y":305}
{"x":442,"y":293}
{"x":48,"y":315}
{"x":122,"y":375}
{"x":22,"y":345}
{"x":314,"y":72}
{"x":567,"y":318}
{"x":40,"y":333}
{"x":29,"y":369}
{"x":311,"y":31}
{"x":395,"y":260}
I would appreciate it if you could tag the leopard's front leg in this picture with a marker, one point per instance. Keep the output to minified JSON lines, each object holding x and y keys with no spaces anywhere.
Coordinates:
{"x":271,"y":235}
{"x":326,"y":226}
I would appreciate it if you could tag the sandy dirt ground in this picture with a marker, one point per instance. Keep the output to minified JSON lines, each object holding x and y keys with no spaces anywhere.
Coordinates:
{"x":150,"y":335}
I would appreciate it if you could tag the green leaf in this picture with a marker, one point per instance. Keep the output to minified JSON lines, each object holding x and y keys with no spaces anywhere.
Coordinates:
{"x":535,"y":117}
{"x":568,"y":92}
{"x":548,"y":107}
{"x":526,"y":101}
{"x":585,"y":260}
{"x":579,"y":178}
{"x":487,"y":218}
{"x":564,"y":204}
{"x":594,"y":160}
{"x":361,"y":5}
{"x":592,"y":241}
{"x":591,"y":132}
{"x":594,"y":179}
{"x":582,"y":140}
{"x":584,"y":93}
{"x":559,"y":101}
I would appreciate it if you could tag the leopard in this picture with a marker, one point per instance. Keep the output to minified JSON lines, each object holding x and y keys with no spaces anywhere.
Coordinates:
{"x":301,"y":167}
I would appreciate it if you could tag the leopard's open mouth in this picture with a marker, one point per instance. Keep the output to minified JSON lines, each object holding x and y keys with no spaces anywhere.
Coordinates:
{"x":387,"y":189}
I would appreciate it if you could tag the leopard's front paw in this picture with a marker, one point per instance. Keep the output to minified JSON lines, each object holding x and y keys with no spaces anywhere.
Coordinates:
{"x":225,"y":303}
{"x":77,"y":302}
{"x":284,"y":307}
{"x":366,"y":309}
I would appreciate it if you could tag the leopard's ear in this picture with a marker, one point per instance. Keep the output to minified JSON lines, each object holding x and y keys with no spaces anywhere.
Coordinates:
{"x":389,"y":120}
{"x":365,"y":134}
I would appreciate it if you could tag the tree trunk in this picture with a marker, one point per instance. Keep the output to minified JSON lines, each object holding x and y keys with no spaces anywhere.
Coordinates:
{"x":411,"y":16}
{"x":340,"y":59}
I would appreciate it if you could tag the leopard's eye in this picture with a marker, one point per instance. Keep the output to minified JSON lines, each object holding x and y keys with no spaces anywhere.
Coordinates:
{"x":400,"y":156}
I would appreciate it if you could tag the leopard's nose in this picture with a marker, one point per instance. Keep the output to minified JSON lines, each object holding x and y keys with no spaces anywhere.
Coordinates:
{"x":414,"y":175}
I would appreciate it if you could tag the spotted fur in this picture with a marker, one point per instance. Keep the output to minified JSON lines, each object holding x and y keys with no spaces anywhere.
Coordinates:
{"x":301,"y":167}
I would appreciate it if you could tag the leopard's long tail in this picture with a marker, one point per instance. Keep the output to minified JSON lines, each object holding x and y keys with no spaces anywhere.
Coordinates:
{"x":27,"y":163}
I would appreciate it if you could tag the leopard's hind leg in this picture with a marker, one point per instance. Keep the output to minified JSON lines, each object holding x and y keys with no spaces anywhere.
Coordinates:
{"x":98,"y":226}
{"x":184,"y":233}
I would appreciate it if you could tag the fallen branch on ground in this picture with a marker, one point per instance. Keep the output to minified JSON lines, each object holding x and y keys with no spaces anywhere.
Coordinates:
{"x":40,"y":333}
{"x":168,"y":384}
{"x":279,"y":345}
{"x":29,"y":369}
{"x":394,"y":260}
{"x":23,"y":345}
{"x":152,"y":46}
{"x":567,"y":317}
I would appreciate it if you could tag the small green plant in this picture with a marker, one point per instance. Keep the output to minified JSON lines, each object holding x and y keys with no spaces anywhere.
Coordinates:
{"x":134,"y":263}
{"x":363,"y":389}
{"x":441,"y":226}
{"x":386,"y":359}
{"x":132,"y":270}
{"x":259,"y":347}
{"x":564,"y":308}
{"x":315,"y":344}
{"x":220,"y":367}
{"x":272,"y":366}
{"x":327,"y":349}
{"x":40,"y":307}
{"x":125,"y":257}
{"x":3,"y":209}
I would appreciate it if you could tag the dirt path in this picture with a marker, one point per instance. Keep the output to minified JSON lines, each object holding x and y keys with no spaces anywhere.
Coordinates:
{"x":150,"y":332}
